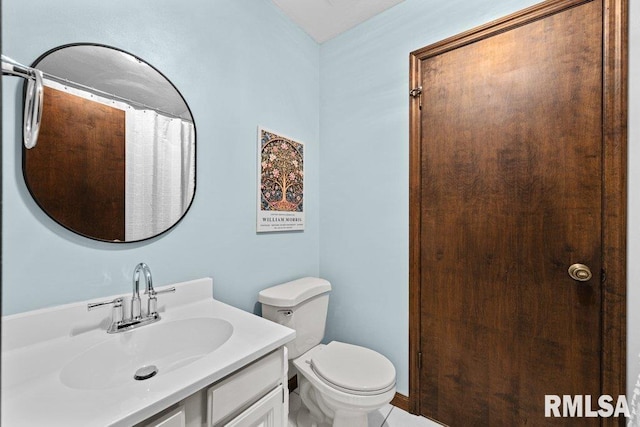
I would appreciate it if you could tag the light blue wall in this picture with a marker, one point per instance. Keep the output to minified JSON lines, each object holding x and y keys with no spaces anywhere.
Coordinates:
{"x":239,"y":64}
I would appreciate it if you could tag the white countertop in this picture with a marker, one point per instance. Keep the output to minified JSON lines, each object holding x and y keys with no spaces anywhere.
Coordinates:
{"x":37,"y":345}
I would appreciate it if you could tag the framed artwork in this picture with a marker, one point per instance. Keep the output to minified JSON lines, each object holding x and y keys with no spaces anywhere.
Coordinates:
{"x":280,"y":183}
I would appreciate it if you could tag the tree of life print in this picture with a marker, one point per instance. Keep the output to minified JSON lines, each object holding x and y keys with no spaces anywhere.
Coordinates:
{"x":281,"y":182}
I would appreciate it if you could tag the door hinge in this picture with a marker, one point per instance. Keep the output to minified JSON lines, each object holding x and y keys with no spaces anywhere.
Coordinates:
{"x":417,"y":93}
{"x":419,"y":361}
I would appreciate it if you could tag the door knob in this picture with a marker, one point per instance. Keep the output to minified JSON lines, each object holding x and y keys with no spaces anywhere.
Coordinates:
{"x":580,"y":272}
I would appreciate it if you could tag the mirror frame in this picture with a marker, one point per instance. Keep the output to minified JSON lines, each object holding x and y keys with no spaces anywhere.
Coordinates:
{"x":195,"y":145}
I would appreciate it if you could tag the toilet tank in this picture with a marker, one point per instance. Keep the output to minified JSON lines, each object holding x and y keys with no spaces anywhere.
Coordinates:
{"x":301,"y":305}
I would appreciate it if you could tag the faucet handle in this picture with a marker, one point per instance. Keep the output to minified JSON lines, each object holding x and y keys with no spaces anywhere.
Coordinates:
{"x":150,"y":290}
{"x":116,"y":314}
{"x":152,"y":302}
{"x":164,"y":291}
{"x":116,"y":303}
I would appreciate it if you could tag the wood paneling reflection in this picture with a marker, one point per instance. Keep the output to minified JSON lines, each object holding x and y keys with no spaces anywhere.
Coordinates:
{"x":76,"y":173}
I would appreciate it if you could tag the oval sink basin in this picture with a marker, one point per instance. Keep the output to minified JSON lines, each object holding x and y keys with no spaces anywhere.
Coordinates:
{"x":169,"y":346}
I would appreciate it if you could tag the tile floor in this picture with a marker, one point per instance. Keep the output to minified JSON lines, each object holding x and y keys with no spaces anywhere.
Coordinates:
{"x":387,"y":416}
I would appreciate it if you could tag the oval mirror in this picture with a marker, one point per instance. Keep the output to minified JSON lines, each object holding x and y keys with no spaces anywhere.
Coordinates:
{"x":115,"y":158}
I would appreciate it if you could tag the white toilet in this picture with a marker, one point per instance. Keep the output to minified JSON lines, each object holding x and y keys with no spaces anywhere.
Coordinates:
{"x":339,"y":383}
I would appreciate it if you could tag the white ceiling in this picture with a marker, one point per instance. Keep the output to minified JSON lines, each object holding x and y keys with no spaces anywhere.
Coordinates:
{"x":325,"y":19}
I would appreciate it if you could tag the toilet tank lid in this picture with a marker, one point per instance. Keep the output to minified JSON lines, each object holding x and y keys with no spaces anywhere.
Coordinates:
{"x":293,"y":293}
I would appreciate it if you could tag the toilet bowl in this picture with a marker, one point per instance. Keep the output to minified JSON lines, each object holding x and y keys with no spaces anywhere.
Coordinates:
{"x":339,"y":383}
{"x":345,"y":383}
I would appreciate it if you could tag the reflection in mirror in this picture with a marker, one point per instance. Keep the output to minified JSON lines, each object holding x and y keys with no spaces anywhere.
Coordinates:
{"x":115,"y":159}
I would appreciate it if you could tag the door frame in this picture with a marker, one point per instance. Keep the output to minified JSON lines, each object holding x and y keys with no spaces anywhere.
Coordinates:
{"x":614,"y":186}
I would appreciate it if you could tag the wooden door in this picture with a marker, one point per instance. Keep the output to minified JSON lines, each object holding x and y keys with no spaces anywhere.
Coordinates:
{"x":509,"y":178}
{"x":76,"y":172}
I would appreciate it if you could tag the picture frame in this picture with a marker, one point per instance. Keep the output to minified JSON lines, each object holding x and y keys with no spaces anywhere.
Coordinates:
{"x":280,"y":204}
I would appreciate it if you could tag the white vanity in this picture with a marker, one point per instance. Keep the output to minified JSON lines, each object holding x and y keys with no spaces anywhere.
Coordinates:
{"x":215,"y":365}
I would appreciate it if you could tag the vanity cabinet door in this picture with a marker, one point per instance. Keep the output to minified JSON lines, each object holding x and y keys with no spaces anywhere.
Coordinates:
{"x":267,"y":412}
{"x":245,"y":388}
{"x":174,"y":418}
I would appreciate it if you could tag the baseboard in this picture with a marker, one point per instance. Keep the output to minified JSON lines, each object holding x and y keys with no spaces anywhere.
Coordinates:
{"x":401,"y":401}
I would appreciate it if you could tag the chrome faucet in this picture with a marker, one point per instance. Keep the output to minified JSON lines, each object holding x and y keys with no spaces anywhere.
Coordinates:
{"x":118,"y":322}
{"x":135,"y":298}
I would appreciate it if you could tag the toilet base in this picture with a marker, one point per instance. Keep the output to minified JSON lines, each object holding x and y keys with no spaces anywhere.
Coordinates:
{"x":320,"y":411}
{"x":303,"y":419}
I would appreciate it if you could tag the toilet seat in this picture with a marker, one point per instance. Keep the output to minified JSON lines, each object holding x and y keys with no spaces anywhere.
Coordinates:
{"x":353,"y":369}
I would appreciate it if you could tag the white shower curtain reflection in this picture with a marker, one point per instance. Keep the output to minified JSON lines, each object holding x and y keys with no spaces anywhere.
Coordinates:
{"x":160,"y":172}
